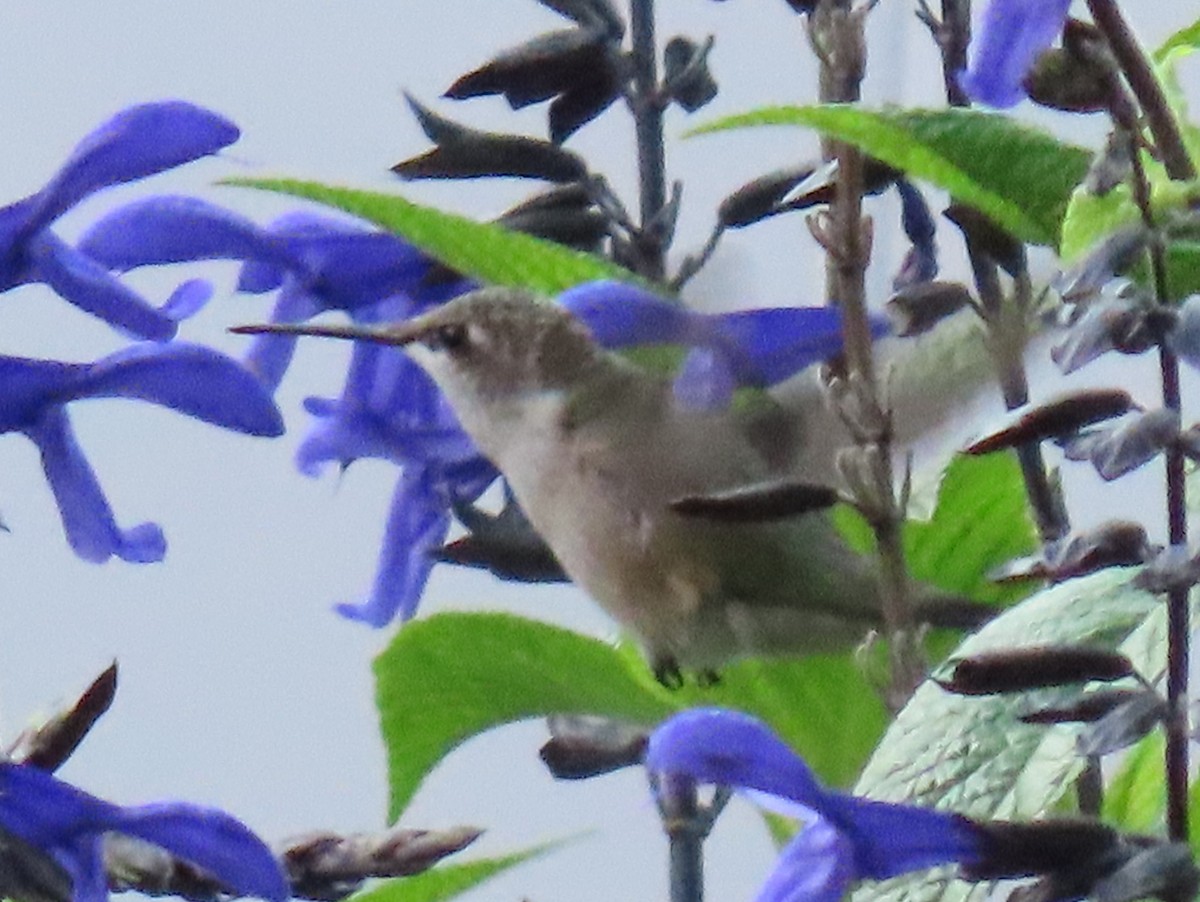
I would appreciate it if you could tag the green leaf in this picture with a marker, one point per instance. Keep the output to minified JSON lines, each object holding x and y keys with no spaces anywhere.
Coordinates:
{"x":1181,"y":42}
{"x":972,"y":755}
{"x":1135,"y":799}
{"x":482,"y":251}
{"x":1020,"y":177}
{"x":1194,"y":817}
{"x":448,"y":880}
{"x":981,"y":521}
{"x":1166,"y":58}
{"x":1089,"y":219}
{"x":453,"y":676}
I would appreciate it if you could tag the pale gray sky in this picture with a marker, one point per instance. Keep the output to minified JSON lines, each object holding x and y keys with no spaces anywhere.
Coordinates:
{"x":240,"y":687}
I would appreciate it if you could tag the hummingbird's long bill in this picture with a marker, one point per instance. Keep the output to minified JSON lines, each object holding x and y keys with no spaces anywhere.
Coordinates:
{"x":396,"y":334}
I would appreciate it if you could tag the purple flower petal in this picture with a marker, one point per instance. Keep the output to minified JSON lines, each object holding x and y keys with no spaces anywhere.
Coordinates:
{"x":86,"y":515}
{"x":137,"y":142}
{"x":816,"y":866}
{"x":389,"y":409}
{"x":845,"y":839}
{"x":346,"y":431}
{"x":174,"y":229}
{"x":86,"y":866}
{"x":891,"y":839}
{"x":350,"y":267}
{"x":14,"y":231}
{"x":27,"y":387}
{"x":91,"y":288}
{"x":259,"y":277}
{"x":212,"y":840}
{"x":69,"y":824}
{"x":766,"y":346}
{"x":1014,"y":33}
{"x":759,"y":347}
{"x":1184,"y":336}
{"x":715,"y":745}
{"x":270,"y":355}
{"x":416,"y":527}
{"x":187,"y":300}
{"x":621,"y":316}
{"x":358,"y":269}
{"x":192,"y":379}
{"x":704,"y":382}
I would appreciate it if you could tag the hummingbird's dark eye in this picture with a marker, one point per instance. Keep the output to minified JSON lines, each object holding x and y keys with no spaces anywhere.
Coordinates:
{"x":451,"y":337}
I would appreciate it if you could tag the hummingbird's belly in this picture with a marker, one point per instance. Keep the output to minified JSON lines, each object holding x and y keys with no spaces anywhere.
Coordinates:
{"x":626,"y":562}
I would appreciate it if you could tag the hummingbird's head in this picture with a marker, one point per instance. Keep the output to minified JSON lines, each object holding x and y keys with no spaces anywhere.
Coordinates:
{"x":500,"y":342}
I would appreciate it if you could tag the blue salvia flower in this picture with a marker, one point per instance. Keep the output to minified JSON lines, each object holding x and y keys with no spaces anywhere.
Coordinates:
{"x":745,"y":348}
{"x":137,"y":142}
{"x":69,"y":826}
{"x":1014,"y":33}
{"x":390,"y":409}
{"x":316,"y":263}
{"x":193,"y":380}
{"x":843,"y":838}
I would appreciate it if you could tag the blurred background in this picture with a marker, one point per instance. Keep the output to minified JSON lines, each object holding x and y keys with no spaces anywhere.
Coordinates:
{"x":239,"y":685}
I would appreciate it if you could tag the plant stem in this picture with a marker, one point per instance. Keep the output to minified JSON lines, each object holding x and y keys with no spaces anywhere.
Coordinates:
{"x":680,"y":811}
{"x":1178,"y":627}
{"x":1178,"y":164}
{"x":687,"y":824}
{"x":836,"y":32}
{"x":953,"y":35}
{"x":651,"y":154}
{"x":1138,"y":72}
{"x":1006,"y":325}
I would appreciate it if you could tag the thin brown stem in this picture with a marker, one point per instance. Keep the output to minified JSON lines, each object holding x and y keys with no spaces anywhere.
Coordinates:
{"x":651,"y":150}
{"x":1138,"y":72}
{"x":836,"y":32}
{"x":1007,"y":332}
{"x":1178,"y":614}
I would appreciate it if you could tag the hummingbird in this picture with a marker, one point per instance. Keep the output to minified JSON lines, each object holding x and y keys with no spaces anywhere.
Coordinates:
{"x":595,"y":449}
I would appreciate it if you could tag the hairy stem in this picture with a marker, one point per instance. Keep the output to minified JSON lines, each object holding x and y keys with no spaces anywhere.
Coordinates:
{"x":1177,"y":624}
{"x":836,"y":34}
{"x":1178,"y":628}
{"x":1177,"y":615}
{"x":1145,"y":87}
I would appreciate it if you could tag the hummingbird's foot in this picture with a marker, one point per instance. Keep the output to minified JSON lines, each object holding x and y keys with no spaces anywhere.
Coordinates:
{"x":667,"y":672}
